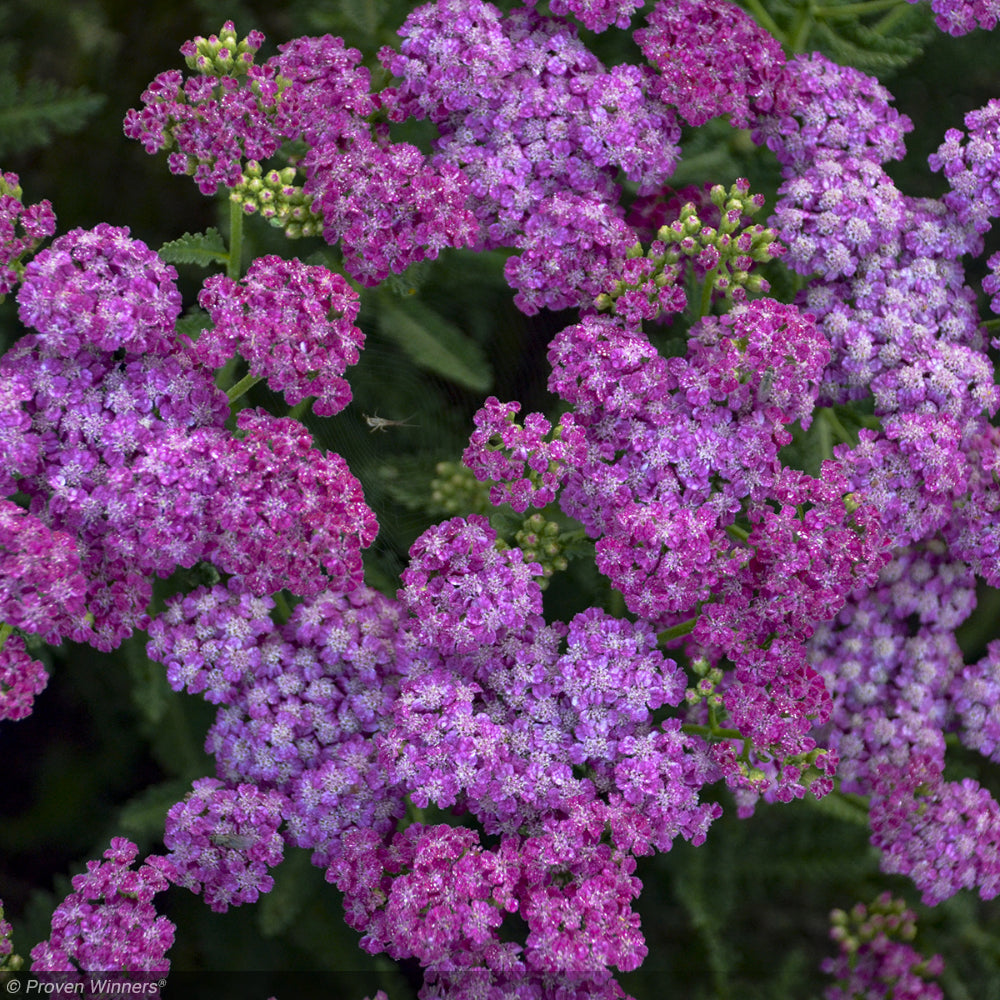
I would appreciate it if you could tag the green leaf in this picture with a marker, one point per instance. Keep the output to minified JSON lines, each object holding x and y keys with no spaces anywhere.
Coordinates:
{"x":433,"y":342}
{"x":32,"y":113}
{"x":142,"y":817}
{"x":193,"y":324}
{"x":203,"y":249}
{"x":295,"y":886}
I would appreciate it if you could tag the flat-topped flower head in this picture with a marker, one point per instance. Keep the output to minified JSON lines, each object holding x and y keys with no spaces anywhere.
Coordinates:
{"x":712,"y":59}
{"x":108,"y":923}
{"x":223,"y":841}
{"x":292,"y":322}
{"x":100,"y":288}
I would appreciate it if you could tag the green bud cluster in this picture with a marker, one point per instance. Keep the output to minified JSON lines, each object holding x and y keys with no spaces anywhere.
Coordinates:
{"x":456,"y":490}
{"x":274,"y":195}
{"x":9,"y":190}
{"x":539,"y":540}
{"x":709,"y":679}
{"x":721,"y":256}
{"x":222,"y":54}
{"x":646,"y":272}
{"x":885,"y":917}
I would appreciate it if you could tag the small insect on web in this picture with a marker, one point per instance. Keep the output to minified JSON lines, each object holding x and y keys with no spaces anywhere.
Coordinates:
{"x":232,"y":841}
{"x":378,"y":423}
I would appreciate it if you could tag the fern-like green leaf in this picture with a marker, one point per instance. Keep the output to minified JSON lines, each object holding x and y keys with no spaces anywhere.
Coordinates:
{"x":34,"y":112}
{"x":434,"y":343}
{"x":203,"y":249}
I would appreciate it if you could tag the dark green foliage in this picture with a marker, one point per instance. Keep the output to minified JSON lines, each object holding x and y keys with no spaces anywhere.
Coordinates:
{"x":203,"y":249}
{"x":34,"y":112}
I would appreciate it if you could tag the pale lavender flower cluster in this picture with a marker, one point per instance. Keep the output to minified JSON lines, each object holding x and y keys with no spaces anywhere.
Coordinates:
{"x":539,"y":127}
{"x":223,"y":841}
{"x":896,"y":689}
{"x":35,"y":222}
{"x":294,"y":325}
{"x":888,"y":281}
{"x":976,"y":693}
{"x":959,"y":17}
{"x":109,"y":922}
{"x":713,"y":59}
{"x":971,"y":165}
{"x":100,"y":288}
{"x":298,"y":705}
{"x":834,"y":111}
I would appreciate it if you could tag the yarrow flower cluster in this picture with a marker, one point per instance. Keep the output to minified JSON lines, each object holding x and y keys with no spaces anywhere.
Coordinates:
{"x":102,"y":289}
{"x":816,"y":611}
{"x":876,"y":954}
{"x":504,"y":452}
{"x":538,"y":126}
{"x":959,"y":17}
{"x":109,"y":922}
{"x":223,"y":841}
{"x":713,"y":59}
{"x":294,"y":325}
{"x":35,"y":222}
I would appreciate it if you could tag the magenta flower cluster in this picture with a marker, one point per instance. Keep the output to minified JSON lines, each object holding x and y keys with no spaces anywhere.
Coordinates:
{"x":540,"y":127}
{"x":22,"y":229}
{"x":692,"y":44}
{"x":293,"y":324}
{"x":815,"y":613}
{"x":108,"y":921}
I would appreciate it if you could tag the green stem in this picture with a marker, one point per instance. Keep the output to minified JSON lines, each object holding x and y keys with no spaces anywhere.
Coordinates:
{"x":5,"y":633}
{"x":244,"y":385}
{"x":855,"y":9}
{"x":735,"y":531}
{"x":300,"y":409}
{"x":706,"y":293}
{"x":886,"y":25}
{"x":764,"y":19}
{"x":234,"y":267}
{"x":711,"y":732}
{"x":799,"y":34}
{"x":836,"y":426}
{"x":676,"y":631}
